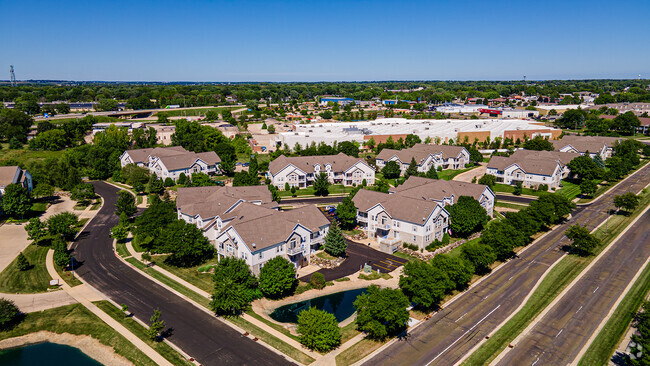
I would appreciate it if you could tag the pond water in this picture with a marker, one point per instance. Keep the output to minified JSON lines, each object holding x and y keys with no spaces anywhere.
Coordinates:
{"x":45,"y":354}
{"x":340,"y":304}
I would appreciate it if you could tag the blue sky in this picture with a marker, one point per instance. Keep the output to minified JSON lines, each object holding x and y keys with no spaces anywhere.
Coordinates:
{"x":325,"y":40}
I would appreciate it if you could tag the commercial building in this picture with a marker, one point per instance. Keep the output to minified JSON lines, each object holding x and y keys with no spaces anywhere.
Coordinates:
{"x":444,"y":130}
{"x":243,"y":222}
{"x":338,"y":100}
{"x":301,"y":171}
{"x":171,"y":162}
{"x":531,"y":168}
{"x":14,"y":175}
{"x":426,"y":156}
{"x":509,"y":113}
{"x":454,"y":108}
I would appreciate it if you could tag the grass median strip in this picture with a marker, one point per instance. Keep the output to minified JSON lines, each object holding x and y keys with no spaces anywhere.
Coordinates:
{"x":76,"y":319}
{"x":553,"y":284}
{"x":34,"y":280}
{"x":358,"y":351}
{"x":609,"y":337}
{"x":139,"y":331}
{"x":242,"y":323}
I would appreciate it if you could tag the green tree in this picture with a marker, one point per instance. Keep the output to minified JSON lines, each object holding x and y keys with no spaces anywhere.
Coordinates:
{"x":480,"y":255}
{"x":156,"y":325}
{"x":466,"y":216}
{"x":424,"y":284}
{"x":63,"y":225}
{"x":349,"y":148}
{"x":106,"y":105}
{"x":539,"y":143}
{"x":335,"y":243}
{"x":155,"y":185}
{"x":391,"y":170}
{"x":588,"y":187}
{"x":628,"y":201}
{"x":182,"y":179}
{"x":458,"y":269}
{"x":119,"y":233}
{"x":318,"y":330}
{"x":412,"y":169}
{"x":22,"y":263}
{"x":582,"y":241}
{"x":244,"y":179}
{"x":277,"y":278}
{"x":475,"y":156}
{"x":9,"y":314}
{"x":36,"y":230}
{"x":518,"y":188}
{"x":63,"y":108}
{"x":186,"y":243}
{"x":381,"y":312}
{"x":585,"y":167}
{"x":43,"y":190}
{"x":431,"y":173}
{"x":125,"y":203}
{"x":321,"y":185}
{"x":16,"y":201}
{"x":14,"y":126}
{"x":15,"y":144}
{"x":626,"y":123}
{"x":503,"y":238}
{"x":234,"y":287}
{"x":572,"y":119}
{"x":347,"y":213}
{"x":488,"y":179}
{"x":550,"y":208}
{"x":83,"y":193}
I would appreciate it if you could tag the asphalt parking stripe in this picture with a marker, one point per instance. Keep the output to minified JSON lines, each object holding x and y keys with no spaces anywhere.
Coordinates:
{"x":389,"y":264}
{"x":377,"y":265}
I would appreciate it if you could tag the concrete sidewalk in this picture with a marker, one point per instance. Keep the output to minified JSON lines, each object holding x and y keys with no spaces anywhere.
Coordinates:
{"x":29,"y":303}
{"x":85,"y":295}
{"x":290,"y":341}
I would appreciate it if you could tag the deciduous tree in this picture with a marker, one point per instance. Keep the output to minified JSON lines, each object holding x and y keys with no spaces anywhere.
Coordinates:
{"x":277,"y":278}
{"x":466,"y":217}
{"x":381,"y":312}
{"x":318,"y":330}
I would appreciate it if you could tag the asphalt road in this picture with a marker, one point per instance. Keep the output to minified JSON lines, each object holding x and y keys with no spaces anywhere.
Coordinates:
{"x":202,"y":336}
{"x":565,"y":329}
{"x":454,"y":331}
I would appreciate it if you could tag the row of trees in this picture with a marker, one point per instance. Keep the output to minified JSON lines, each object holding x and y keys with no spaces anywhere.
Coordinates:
{"x":623,"y":124}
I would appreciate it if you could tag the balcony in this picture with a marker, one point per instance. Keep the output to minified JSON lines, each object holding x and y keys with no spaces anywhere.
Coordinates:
{"x":295,"y":250}
{"x":383,"y":226}
{"x":362,"y":218}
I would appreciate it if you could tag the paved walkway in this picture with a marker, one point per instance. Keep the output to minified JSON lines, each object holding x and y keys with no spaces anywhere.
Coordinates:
{"x":85,"y":295}
{"x":292,"y":342}
{"x":469,"y":175}
{"x":29,"y":303}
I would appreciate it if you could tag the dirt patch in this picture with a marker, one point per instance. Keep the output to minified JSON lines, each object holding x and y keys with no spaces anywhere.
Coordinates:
{"x":88,"y":345}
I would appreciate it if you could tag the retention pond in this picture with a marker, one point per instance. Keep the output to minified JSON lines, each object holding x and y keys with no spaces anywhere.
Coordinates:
{"x":341,"y":304}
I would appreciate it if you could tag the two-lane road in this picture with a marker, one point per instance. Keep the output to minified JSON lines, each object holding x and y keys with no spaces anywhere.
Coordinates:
{"x":452,"y":332}
{"x":199,"y":334}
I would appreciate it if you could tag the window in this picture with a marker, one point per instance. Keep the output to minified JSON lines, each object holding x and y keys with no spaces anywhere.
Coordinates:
{"x":260,"y":256}
{"x":415,"y":238}
{"x":278,"y":249}
{"x":372,"y":217}
{"x":415,"y":228}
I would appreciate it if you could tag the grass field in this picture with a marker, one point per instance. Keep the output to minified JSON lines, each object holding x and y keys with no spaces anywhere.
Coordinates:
{"x":25,"y":156}
{"x":76,"y":319}
{"x":564,"y":272}
{"x":609,"y":337}
{"x":348,"y":332}
{"x":34,"y":280}
{"x":449,"y":174}
{"x":139,"y":331}
{"x":273,"y":325}
{"x":357,"y":352}
{"x":569,"y":190}
{"x":309,"y":191}
{"x":505,"y":188}
{"x":190,"y":274}
{"x":510,"y":205}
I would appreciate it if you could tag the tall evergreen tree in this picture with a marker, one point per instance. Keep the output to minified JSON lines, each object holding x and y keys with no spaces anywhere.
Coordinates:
{"x":335,"y":243}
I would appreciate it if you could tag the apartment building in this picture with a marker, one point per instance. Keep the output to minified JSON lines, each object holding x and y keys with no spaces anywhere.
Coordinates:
{"x":244,"y":222}
{"x":170,"y":162}
{"x":14,"y":175}
{"x":426,"y":156}
{"x":595,"y":145}
{"x":395,"y":218}
{"x":301,"y":171}
{"x":446,"y":192}
{"x":531,"y":168}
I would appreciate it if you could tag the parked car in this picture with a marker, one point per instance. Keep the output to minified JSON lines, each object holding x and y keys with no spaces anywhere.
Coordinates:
{"x":220,"y":183}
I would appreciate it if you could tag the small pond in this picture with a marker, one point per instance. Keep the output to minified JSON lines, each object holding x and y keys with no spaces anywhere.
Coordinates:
{"x":340,"y":304}
{"x":45,"y":354}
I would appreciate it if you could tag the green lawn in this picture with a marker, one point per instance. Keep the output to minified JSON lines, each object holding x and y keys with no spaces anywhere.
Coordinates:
{"x":25,"y":156}
{"x":449,"y":174}
{"x":34,"y":280}
{"x":71,"y":279}
{"x":358,"y":351}
{"x":309,"y":191}
{"x":609,"y":337}
{"x":348,"y":332}
{"x":564,"y":272}
{"x":190,"y":274}
{"x":569,"y":190}
{"x":510,"y":205}
{"x":76,"y":319}
{"x":121,"y":250}
{"x":139,"y":331}
{"x":273,"y":325}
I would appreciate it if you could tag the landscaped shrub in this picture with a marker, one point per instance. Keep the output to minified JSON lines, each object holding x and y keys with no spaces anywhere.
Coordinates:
{"x":317,"y":280}
{"x":410,"y":246}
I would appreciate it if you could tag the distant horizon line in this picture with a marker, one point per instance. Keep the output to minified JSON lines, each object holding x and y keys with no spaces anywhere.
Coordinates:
{"x":312,"y":82}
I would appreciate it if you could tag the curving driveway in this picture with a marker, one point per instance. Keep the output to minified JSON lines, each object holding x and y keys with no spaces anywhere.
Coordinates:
{"x":207,"y":339}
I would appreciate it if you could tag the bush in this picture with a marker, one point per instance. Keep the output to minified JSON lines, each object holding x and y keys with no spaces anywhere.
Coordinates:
{"x":542,"y":188}
{"x":168,"y":182}
{"x":317,"y":280}
{"x":9,"y":313}
{"x":410,"y":246}
{"x":488,"y":179}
